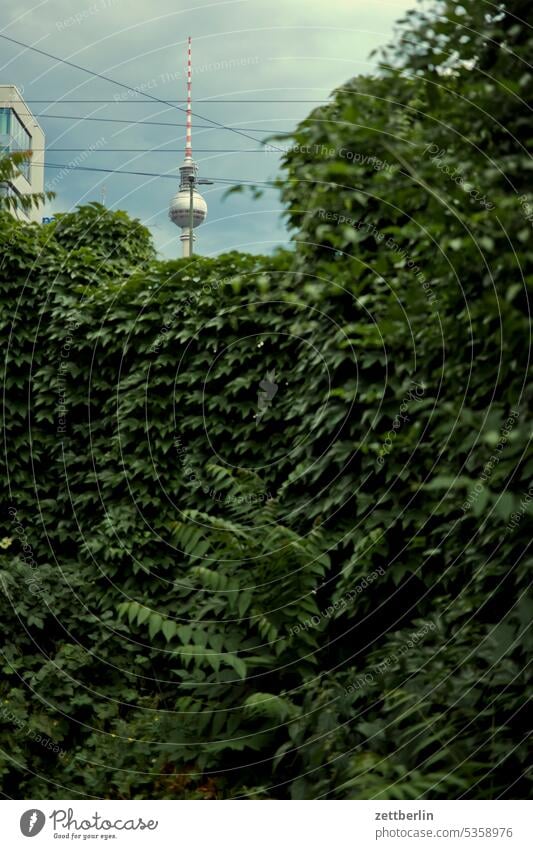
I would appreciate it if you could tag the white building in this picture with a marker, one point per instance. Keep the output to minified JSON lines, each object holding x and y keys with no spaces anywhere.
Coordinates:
{"x":20,"y":131}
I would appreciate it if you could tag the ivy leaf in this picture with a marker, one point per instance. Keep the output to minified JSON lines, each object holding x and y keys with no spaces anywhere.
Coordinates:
{"x":169,"y":629}
{"x":155,"y":623}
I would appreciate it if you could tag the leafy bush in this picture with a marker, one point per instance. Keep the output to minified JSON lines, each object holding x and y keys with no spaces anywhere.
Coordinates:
{"x":267,"y":516}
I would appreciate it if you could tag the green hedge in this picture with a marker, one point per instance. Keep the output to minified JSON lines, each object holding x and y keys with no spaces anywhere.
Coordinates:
{"x":266,"y":530}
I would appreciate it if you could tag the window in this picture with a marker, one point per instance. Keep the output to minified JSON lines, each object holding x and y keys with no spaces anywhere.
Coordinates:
{"x":4,"y":130}
{"x":4,"y":121}
{"x":14,"y":136}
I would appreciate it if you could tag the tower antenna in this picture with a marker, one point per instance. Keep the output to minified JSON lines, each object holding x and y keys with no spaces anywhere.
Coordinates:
{"x":188,"y":139}
{"x":188,"y":209}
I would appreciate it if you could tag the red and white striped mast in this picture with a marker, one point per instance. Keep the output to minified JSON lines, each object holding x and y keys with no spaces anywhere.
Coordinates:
{"x":188,"y":209}
{"x":188,"y":137}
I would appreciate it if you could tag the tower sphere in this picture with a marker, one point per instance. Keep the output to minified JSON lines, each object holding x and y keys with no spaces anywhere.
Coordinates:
{"x":179,"y":208}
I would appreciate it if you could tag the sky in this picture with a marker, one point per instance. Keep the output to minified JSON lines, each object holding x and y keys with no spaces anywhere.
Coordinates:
{"x":243,"y":50}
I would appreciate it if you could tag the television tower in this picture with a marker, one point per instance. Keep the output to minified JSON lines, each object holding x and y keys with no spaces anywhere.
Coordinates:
{"x":188,"y":209}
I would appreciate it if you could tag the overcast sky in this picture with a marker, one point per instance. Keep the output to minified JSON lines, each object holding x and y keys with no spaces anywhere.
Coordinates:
{"x":242,"y":50}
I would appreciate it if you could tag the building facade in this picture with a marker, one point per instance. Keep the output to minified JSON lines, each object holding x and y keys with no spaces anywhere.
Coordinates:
{"x":19,"y":131}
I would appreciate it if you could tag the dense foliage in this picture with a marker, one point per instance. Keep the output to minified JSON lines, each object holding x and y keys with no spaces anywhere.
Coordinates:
{"x":266,"y":531}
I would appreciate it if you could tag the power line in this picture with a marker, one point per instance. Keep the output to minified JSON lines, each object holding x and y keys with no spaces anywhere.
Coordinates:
{"x":150,"y":150}
{"x":57,"y":101}
{"x":155,"y":123}
{"x":228,"y":180}
{"x":116,"y":82}
{"x":122,"y":121}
